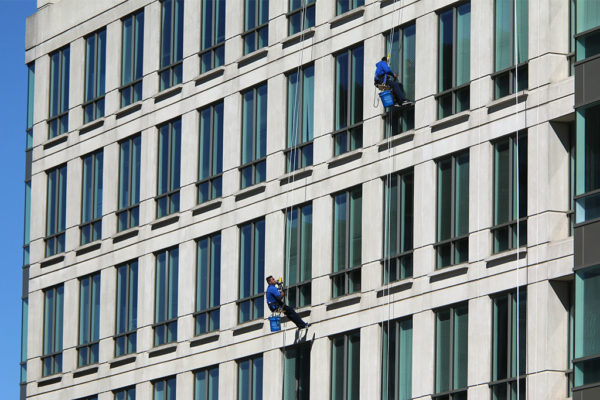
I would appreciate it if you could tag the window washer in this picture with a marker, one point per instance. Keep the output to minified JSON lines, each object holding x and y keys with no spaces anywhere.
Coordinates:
{"x":385,"y":76}
{"x":275,"y":303}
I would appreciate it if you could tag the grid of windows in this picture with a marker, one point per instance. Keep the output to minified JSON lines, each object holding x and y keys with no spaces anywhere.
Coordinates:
{"x":165,"y":296}
{"x":298,"y":255}
{"x":300,"y":118}
{"x":53,"y":330}
{"x":345,"y":366}
{"x":206,"y":383}
{"x":252,"y":271}
{"x":89,"y":320}
{"x":301,"y":15}
{"x":343,"y":6}
{"x":126,"y":312}
{"x":171,"y":43}
{"x":132,"y":56}
{"x":348,"y":119}
{"x":208,"y":284}
{"x":398,"y":217}
{"x":212,"y":51}
{"x":128,"y":214}
{"x":210,"y":153}
{"x":296,"y":381}
{"x":91,"y":198}
{"x":347,"y":241}
{"x":125,"y":394}
{"x":164,"y":389}
{"x":451,"y":352}
{"x":256,"y":25}
{"x":254,"y":136}
{"x":452,"y":245}
{"x":169,"y":153}
{"x":250,"y":378}
{"x":95,"y":76}
{"x":58,"y":116}
{"x":396,"y":371}
{"x":56,"y":205}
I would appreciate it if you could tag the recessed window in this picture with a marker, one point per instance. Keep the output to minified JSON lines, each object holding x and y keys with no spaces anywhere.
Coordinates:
{"x":91,"y":198}
{"x":298,"y":255}
{"x":132,"y":58}
{"x":301,"y":15}
{"x":164,"y":389}
{"x":256,"y":25}
{"x":396,"y":355}
{"x":95,"y":76}
{"x":300,"y":118}
{"x":56,"y":209}
{"x":210,"y":153}
{"x":208,"y":284}
{"x":254,"y":136}
{"x":252,"y":271}
{"x":296,"y":382}
{"x":126,"y":308}
{"x":451,"y":352}
{"x":58,"y":116}
{"x":250,"y":378}
{"x":165,"y":296}
{"x":212,"y":37}
{"x":128,"y":214}
{"x":89,"y":320}
{"x":206,"y":383}
{"x":348,"y":118}
{"x":345,"y":366}
{"x":171,"y":44}
{"x":343,"y":6}
{"x":53,"y":330}
{"x":169,"y":154}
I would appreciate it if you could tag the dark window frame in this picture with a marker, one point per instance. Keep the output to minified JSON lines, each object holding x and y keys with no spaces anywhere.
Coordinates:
{"x":165,"y":380}
{"x":216,"y":47}
{"x":347,"y":337}
{"x":251,"y":368}
{"x":127,"y":91}
{"x":294,"y":291}
{"x":167,"y":323}
{"x":175,"y":66}
{"x":215,"y":178}
{"x":257,"y":30}
{"x":393,"y":381}
{"x":259,"y":296}
{"x":209,"y":381}
{"x":87,"y":348}
{"x":96,"y":103}
{"x":301,"y":360}
{"x":171,"y":195}
{"x":209,"y":311}
{"x":126,"y":391}
{"x":55,"y":238}
{"x":92,"y":225}
{"x":55,"y":354}
{"x":129,"y":336}
{"x":60,"y":120}
{"x":351,"y":4}
{"x":256,"y":165}
{"x":305,"y":5}
{"x":131,"y":209}
{"x":299,"y":154}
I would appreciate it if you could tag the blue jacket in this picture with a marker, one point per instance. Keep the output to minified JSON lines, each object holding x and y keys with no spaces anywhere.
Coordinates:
{"x":382,"y":69}
{"x":273,"y":297}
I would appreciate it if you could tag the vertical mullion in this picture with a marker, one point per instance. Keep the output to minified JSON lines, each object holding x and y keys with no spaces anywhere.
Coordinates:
{"x":299,"y":246}
{"x":452,"y":207}
{"x":349,"y":99}
{"x":127,"y":294}
{"x":88,"y":339}
{"x":130,"y":178}
{"x":451,"y":347}
{"x":254,"y":131}
{"x":251,"y":294}
{"x":208,"y":273}
{"x":59,"y":105}
{"x":346,"y":344}
{"x":510,"y":189}
{"x":347,"y":243}
{"x":509,"y":338}
{"x":133,"y":47}
{"x":172,"y":39}
{"x":210,"y":148}
{"x":398,"y":354}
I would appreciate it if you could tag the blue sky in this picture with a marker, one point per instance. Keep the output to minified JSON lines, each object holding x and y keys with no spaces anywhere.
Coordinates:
{"x":12,"y":166}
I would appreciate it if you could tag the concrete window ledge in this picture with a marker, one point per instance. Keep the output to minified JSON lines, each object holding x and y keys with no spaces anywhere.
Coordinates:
{"x":46,"y":262}
{"x":162,"y":350}
{"x":122,"y":360}
{"x":78,"y":373}
{"x":395,"y":287}
{"x":49,"y":380}
{"x":301,"y":313}
{"x":296,"y":175}
{"x":347,"y":16}
{"x":130,"y":109}
{"x":207,"y":206}
{"x":396,"y":140}
{"x":126,"y":234}
{"x":298,"y":37}
{"x":169,"y":92}
{"x":344,"y":158}
{"x":205,"y":339}
{"x":448,"y":272}
{"x":55,"y":141}
{"x":250,"y":191}
{"x":209,"y":75}
{"x":88,"y":248}
{"x":450,"y":120}
{"x":343,"y":301}
{"x":249,"y":327}
{"x":505,"y":256}
{"x":254,"y":56}
{"x":164,"y":221}
{"x":507,"y":101}
{"x":90,"y":126}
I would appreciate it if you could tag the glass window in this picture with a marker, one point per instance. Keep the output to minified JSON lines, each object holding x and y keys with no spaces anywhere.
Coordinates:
{"x":451,"y":352}
{"x":27,"y":223}
{"x":587,"y":323}
{"x":510,"y":193}
{"x":345,"y":366}
{"x":347,"y":135}
{"x":509,"y":344}
{"x":212,"y":51}
{"x":58,"y":116}
{"x":206,"y":383}
{"x":30,"y":102}
{"x":24,"y":331}
{"x":169,"y":153}
{"x":95,"y":76}
{"x":587,"y":18}
{"x":89,"y":320}
{"x":298,"y":255}
{"x":210,"y":153}
{"x":296,"y":382}
{"x":256,"y":25}
{"x":128,"y":214}
{"x":400,"y":45}
{"x":171,"y":44}
{"x":572,"y":177}
{"x":91,"y":198}
{"x":587,"y":199}
{"x":254,"y":136}
{"x":398,"y":226}
{"x":301,"y":15}
{"x":165,"y":296}
{"x":347,"y":241}
{"x":507,"y":77}
{"x":208,"y":283}
{"x":343,"y":6}
{"x":571,"y":336}
{"x":53,"y":330}
{"x":250,"y":378}
{"x":126,"y":312}
{"x":300,"y":118}
{"x":56,"y":208}
{"x":454,"y":58}
{"x":132,"y":58}
{"x":396,"y":376}
{"x":252,"y":271}
{"x":164,"y":389}
{"x":453,"y":209}
{"x":125,"y":394}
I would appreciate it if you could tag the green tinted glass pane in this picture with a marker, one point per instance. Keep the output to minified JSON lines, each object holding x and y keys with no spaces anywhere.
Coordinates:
{"x":461,"y":341}
{"x":503,"y":24}
{"x":462,"y":195}
{"x":442,"y":351}
{"x":463,"y":44}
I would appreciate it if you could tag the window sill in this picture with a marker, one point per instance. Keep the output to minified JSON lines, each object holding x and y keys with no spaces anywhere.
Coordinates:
{"x":205,"y":338}
{"x":344,"y":158}
{"x":507,"y":101}
{"x":298,"y":37}
{"x":49,"y":380}
{"x":207,"y":206}
{"x":162,"y":350}
{"x":55,"y":141}
{"x":505,"y":256}
{"x":396,"y":140}
{"x":248,"y":327}
{"x":164,"y":221}
{"x":169,"y":92}
{"x":343,"y":301}
{"x":88,"y":248}
{"x":130,"y":109}
{"x":126,"y":234}
{"x":90,"y":126}
{"x":254,"y":56}
{"x":250,"y":191}
{"x":451,"y":120}
{"x":347,"y":16}
{"x":296,"y":175}
{"x":122,"y":360}
{"x":48,"y":261}
{"x":395,"y":287}
{"x":83,"y":371}
{"x":209,"y":75}
{"x":448,"y":272}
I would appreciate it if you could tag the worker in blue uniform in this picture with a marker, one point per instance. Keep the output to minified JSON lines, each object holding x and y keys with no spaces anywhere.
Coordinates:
{"x":275,"y":302}
{"x":385,"y":75}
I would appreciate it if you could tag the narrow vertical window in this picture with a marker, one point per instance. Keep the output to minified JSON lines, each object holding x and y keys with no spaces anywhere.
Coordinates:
{"x":208,"y":284}
{"x":296,"y":381}
{"x":300,"y":118}
{"x":24,"y":331}
{"x":572,"y":178}
{"x":252,"y":271}
{"x":396,"y":376}
{"x":508,"y":77}
{"x":510,"y":193}
{"x":343,"y":6}
{"x":301,"y":15}
{"x":212,"y":39}
{"x":398,"y":226}
{"x":164,"y":389}
{"x":345,"y":366}
{"x":128,"y":214}
{"x":451,"y":350}
{"x":132,"y":58}
{"x":347,"y":242}
{"x":256,"y":25}
{"x":347,"y":135}
{"x":586,"y":361}
{"x":27,"y":222}
{"x":169,"y":153}
{"x":58,"y":116}
{"x":53,"y":330}
{"x":454,"y":58}
{"x":56,"y":208}
{"x":126,"y":312}
{"x":250,"y":378}
{"x":254,"y":136}
{"x":587,"y":142}
{"x":298,"y":255}
{"x":125,"y":394}
{"x":91,"y":198}
{"x":171,"y":44}
{"x":95,"y":76}
{"x":30,"y":103}
{"x":509,"y":345}
{"x":400,"y":45}
{"x":571,"y":339}
{"x":452,"y":245}
{"x":206,"y":383}
{"x":210,"y":153}
{"x":165,"y":296}
{"x":89,"y":320}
